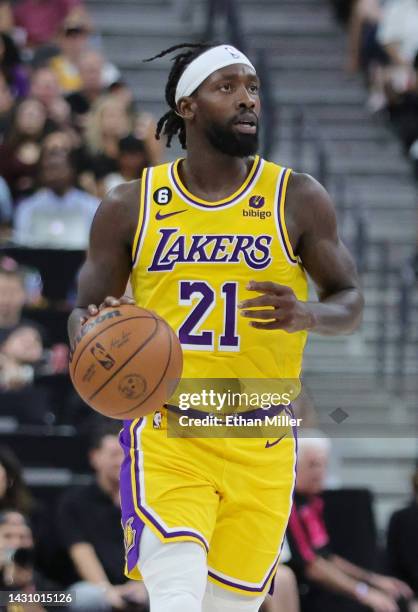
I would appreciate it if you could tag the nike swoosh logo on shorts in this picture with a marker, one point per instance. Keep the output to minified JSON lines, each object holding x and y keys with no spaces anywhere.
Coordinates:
{"x":270,"y":444}
{"x":159,"y":216}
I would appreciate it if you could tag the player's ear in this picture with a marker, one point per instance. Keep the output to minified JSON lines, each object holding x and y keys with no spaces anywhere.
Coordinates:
{"x":186,"y":107}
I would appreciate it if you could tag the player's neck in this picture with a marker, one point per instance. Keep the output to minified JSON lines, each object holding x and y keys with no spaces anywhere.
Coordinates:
{"x":211,"y":175}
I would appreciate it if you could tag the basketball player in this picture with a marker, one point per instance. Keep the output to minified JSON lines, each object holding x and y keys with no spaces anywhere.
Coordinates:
{"x":219,"y":244}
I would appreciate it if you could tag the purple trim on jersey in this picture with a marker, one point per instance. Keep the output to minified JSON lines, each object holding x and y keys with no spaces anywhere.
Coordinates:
{"x":127,"y":499}
{"x":215,"y":206}
{"x":279,"y":199}
{"x":144,"y":215}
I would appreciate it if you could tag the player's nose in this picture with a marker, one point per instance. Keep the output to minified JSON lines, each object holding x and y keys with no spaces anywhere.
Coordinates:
{"x":245,"y":99}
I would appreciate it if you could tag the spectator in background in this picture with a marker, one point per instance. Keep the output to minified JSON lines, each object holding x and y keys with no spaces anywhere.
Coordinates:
{"x":144,"y":125}
{"x":6,"y":204}
{"x":58,"y":215}
{"x":11,"y":67}
{"x":398,"y":31}
{"x":364,"y":19}
{"x":91,"y":69}
{"x":323,"y":573}
{"x":15,"y":533}
{"x":6,"y":17}
{"x":14,"y":494}
{"x":132,"y":160}
{"x":108,"y":122}
{"x":69,"y":142}
{"x":20,"y":152}
{"x":45,"y":89}
{"x":121,"y":90}
{"x":73,"y":42}
{"x":144,"y":129}
{"x":398,"y":34}
{"x":91,"y":84}
{"x":6,"y":105}
{"x":21,"y":349}
{"x":403,"y":111}
{"x":12,"y":297}
{"x":402,"y":541}
{"x":90,"y":528}
{"x":41,"y":19}
{"x":17,"y":557}
{"x":20,"y":354}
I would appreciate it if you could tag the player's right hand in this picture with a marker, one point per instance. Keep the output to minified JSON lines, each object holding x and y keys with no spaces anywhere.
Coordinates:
{"x":379,"y":602}
{"x":110,"y":301}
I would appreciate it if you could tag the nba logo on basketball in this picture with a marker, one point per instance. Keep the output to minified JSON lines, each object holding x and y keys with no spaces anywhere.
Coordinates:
{"x":99,"y":353}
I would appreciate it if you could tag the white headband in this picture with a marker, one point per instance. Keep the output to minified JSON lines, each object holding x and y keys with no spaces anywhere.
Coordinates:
{"x":205,"y":64}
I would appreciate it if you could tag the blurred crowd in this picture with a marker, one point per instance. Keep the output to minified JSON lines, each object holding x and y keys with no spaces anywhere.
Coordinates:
{"x":383,"y":45}
{"x":69,"y":126}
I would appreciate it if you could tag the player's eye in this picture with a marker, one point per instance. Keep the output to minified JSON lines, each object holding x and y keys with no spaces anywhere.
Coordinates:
{"x":254,"y":88}
{"x":226,"y":87}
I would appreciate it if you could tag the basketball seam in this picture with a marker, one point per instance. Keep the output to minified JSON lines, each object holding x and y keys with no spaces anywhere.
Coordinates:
{"x":101,"y":332}
{"x":162,"y":376}
{"x":130,"y":357}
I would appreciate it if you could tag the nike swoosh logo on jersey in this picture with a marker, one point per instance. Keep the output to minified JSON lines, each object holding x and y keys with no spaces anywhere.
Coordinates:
{"x":159,"y":216}
{"x":270,"y":444}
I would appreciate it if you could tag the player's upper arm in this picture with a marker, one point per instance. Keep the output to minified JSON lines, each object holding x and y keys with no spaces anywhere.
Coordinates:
{"x":108,"y":264}
{"x":323,"y":254}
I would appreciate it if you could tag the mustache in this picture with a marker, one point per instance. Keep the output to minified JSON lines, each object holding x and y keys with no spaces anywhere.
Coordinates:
{"x":247,"y":116}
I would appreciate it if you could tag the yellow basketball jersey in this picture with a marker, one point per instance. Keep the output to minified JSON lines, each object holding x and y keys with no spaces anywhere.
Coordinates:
{"x":192,"y":260}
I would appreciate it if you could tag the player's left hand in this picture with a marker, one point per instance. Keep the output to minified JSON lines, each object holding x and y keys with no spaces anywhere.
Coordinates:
{"x":284,"y":310}
{"x":392,"y":586}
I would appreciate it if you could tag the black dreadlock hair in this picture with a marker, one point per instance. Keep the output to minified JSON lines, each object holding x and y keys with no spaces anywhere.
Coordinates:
{"x":171,"y":123}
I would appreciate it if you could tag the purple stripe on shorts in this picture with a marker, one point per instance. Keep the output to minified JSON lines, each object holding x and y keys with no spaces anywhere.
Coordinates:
{"x":243,"y":587}
{"x":214,"y":206}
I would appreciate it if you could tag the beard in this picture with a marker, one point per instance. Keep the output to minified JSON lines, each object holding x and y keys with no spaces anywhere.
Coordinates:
{"x":228,"y":142}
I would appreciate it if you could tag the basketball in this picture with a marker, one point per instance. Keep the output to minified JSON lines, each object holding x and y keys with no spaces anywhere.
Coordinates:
{"x":126,"y":362}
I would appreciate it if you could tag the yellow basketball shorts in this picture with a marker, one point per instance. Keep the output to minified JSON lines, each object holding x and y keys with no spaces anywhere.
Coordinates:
{"x":232,"y":496}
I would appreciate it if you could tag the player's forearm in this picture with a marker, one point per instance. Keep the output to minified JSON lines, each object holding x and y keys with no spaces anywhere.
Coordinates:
{"x":337,"y":314}
{"x":87,"y":563}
